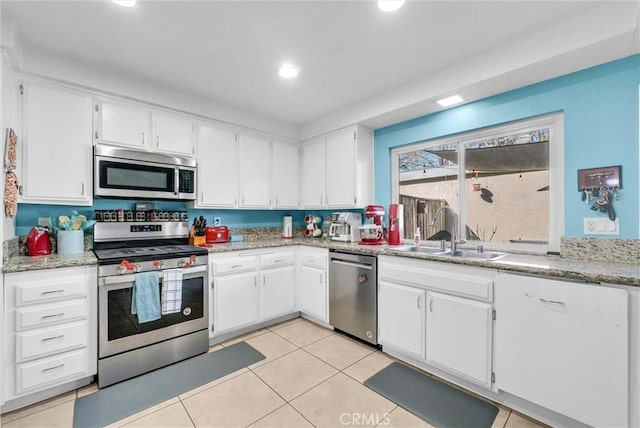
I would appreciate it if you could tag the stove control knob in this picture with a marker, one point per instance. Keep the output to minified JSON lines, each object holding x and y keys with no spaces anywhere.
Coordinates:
{"x":125,"y":266}
{"x":182,"y":262}
{"x":159,"y":264}
{"x":193,"y":260}
{"x":136,"y":267}
{"x":122,"y":269}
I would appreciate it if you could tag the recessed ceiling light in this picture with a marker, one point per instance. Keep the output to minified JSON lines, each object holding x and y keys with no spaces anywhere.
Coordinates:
{"x":125,"y":3}
{"x":390,"y":5}
{"x":288,"y":70}
{"x":449,"y":101}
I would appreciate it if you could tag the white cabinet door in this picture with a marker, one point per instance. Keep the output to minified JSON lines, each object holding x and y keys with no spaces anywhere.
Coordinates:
{"x":254,"y":171}
{"x":313,"y":292}
{"x":564,"y":346}
{"x":341,"y":169}
{"x":401,"y":318}
{"x":285,"y":175}
{"x":277,"y":293}
{"x":312,"y":191}
{"x":236,"y":302}
{"x":123,"y":124}
{"x":217,"y":167}
{"x":459,"y":336}
{"x":57,"y":146}
{"x":173,"y":134}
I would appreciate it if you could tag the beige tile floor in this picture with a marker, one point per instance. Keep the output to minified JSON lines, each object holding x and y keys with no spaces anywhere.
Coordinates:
{"x":311,"y":377}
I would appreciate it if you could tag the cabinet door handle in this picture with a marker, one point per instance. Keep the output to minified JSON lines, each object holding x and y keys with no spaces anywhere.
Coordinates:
{"x":276,"y":201}
{"x":264,"y":280}
{"x":157,"y":141}
{"x":48,"y":339}
{"x":201,"y":197}
{"x":431,"y":305}
{"x":320,"y":278}
{"x":321,"y":199}
{"x":255,"y":281}
{"x":418,"y":302}
{"x":142,"y":142}
{"x":555,"y":302}
{"x":61,"y":314}
{"x":44,"y":293}
{"x":82,"y":192}
{"x":48,"y":369}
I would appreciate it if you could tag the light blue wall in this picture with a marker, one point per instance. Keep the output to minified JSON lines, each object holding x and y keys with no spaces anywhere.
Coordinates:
{"x":601,"y":119}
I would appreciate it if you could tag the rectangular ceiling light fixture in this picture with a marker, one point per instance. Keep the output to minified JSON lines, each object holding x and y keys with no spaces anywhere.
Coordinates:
{"x":449,"y":101}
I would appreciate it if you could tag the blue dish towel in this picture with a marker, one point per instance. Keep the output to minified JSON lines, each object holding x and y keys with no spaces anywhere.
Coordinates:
{"x":145,"y":298}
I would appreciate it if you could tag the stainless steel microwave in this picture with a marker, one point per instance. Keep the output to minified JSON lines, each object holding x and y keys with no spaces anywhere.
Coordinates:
{"x":126,"y":173}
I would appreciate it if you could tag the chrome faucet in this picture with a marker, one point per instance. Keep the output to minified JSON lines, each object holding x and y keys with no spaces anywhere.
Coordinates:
{"x":454,"y":227}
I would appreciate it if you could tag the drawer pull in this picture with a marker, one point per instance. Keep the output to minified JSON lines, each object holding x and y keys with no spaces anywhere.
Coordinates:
{"x":44,"y":293}
{"x":278,"y":261}
{"x":553,"y":302}
{"x":236,"y":266}
{"x":61,"y":314}
{"x":48,"y":339}
{"x":49,"y":369}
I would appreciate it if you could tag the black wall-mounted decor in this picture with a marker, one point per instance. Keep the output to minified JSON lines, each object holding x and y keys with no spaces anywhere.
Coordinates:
{"x":608,"y":177}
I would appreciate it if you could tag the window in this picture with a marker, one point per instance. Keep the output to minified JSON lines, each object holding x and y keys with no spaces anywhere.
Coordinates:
{"x":505,"y":183}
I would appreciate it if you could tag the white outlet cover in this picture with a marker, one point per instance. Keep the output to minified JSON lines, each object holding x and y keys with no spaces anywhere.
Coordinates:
{"x":601,"y":226}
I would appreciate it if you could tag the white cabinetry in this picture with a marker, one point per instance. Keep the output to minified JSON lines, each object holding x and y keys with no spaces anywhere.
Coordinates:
{"x":284,"y":168}
{"x":312,"y":283}
{"x":254,"y":172}
{"x":57,"y":145}
{"x":123,"y":124}
{"x":50,"y":327}
{"x":251,"y":287}
{"x":439,"y":314}
{"x":173,"y":134}
{"x":401,"y":318}
{"x":564,"y":346}
{"x":337,"y":169}
{"x":136,"y":126}
{"x":218,"y":163}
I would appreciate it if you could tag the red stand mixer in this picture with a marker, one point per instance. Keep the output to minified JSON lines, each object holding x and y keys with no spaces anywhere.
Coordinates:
{"x":373,"y":233}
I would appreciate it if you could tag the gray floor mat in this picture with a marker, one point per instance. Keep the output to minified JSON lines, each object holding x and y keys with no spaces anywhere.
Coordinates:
{"x":433,"y":401}
{"x":116,"y":402}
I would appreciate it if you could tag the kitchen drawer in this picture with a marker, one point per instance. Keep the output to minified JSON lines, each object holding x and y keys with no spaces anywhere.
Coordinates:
{"x":49,"y":289}
{"x":233,"y":265}
{"x":462,"y":281}
{"x":51,"y":370}
{"x":277,"y":259}
{"x":313,"y":260}
{"x":51,"y":313}
{"x":45,"y":341}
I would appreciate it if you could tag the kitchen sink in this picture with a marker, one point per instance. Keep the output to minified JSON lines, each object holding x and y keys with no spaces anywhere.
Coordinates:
{"x":414,"y":249}
{"x":472,"y":254}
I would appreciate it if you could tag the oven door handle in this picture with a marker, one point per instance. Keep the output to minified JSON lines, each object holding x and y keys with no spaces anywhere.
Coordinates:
{"x":123,"y":279}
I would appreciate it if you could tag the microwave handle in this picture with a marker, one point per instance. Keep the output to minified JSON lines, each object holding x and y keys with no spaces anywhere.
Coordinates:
{"x":176,"y":181}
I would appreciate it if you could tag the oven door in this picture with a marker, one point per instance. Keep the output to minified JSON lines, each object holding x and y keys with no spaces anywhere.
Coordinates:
{"x":119,"y":330}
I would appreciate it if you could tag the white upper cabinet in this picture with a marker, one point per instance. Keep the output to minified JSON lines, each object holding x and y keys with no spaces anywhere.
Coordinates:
{"x":337,"y":169}
{"x":217,"y":167}
{"x":285,"y":175}
{"x":56,"y":145}
{"x":123,"y":124}
{"x":312,"y":192}
{"x":254,"y":171}
{"x":133,"y":125}
{"x":173,"y":134}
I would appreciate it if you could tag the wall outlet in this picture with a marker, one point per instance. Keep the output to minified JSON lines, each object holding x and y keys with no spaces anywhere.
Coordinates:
{"x":601,"y":226}
{"x":217,"y":221}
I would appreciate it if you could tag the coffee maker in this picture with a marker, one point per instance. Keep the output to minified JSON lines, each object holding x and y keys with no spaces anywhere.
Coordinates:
{"x":396,"y":224}
{"x":344,"y":226}
{"x":373,"y":232}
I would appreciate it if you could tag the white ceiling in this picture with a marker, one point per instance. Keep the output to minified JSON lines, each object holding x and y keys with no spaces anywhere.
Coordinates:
{"x":358,"y":64}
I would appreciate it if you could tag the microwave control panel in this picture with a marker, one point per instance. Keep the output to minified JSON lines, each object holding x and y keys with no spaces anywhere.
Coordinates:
{"x":186,"y":181}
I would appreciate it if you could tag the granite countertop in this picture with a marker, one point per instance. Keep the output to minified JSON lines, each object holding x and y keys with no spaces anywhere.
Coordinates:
{"x":553,"y":266}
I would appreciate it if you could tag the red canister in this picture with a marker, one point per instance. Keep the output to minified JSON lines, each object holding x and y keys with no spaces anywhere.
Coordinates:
{"x":216,"y":234}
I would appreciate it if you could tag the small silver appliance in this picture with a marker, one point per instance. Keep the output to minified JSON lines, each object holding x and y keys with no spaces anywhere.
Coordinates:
{"x":344,"y":226}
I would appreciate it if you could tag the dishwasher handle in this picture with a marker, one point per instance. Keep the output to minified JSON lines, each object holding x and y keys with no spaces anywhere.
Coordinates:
{"x":352,"y":264}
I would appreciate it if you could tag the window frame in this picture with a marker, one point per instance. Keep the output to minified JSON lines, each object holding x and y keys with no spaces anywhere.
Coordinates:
{"x":555,"y":123}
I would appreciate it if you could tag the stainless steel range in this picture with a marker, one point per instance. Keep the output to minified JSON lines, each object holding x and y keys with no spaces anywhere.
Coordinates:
{"x":127,"y":344}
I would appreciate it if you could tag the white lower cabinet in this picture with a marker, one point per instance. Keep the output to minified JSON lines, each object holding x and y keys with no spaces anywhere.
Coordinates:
{"x":564,"y":346}
{"x":313,"y":284}
{"x":401,"y":318}
{"x":250,"y":287}
{"x":236,"y":301}
{"x":459,"y":336}
{"x":50,"y":330}
{"x":438,"y":314}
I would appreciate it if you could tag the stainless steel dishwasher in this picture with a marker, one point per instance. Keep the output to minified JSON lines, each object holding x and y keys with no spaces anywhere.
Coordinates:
{"x":353,"y":295}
